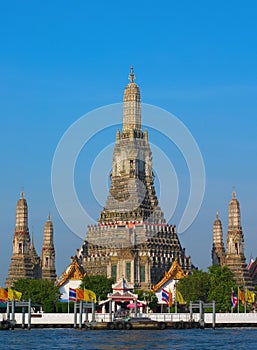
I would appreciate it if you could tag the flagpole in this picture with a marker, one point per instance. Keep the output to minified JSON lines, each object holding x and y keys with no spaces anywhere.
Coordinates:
{"x":232,"y":300}
{"x":245,"y":299}
{"x":69,"y":305}
{"x":176,"y":302}
{"x":238,"y":300}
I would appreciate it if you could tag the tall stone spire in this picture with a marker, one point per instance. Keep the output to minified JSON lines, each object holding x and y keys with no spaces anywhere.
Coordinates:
{"x":35,"y":259}
{"x":218,"y":250}
{"x":21,"y":264}
{"x":132,"y":125}
{"x":234,"y":217}
{"x":48,"y":252}
{"x":21,"y":214}
{"x":235,"y":237}
{"x":235,"y":258}
{"x":132,"y":239}
{"x":132,"y":194}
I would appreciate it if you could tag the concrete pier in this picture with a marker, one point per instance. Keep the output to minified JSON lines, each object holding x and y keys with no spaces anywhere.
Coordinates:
{"x":65,"y":320}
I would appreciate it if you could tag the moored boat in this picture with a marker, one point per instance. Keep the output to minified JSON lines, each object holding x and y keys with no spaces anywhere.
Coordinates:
{"x":6,"y":324}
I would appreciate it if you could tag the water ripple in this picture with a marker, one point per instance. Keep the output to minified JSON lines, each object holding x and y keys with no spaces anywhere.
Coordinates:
{"x":190,"y":339}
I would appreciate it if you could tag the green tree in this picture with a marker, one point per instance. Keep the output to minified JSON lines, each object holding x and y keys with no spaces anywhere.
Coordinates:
{"x":194,"y":287}
{"x":41,"y":292}
{"x":100,"y":285}
{"x":148,"y":296}
{"x":221,"y":283}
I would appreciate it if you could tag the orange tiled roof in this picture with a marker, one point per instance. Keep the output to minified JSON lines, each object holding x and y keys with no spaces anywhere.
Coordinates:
{"x":73,"y":272}
{"x":175,"y":273}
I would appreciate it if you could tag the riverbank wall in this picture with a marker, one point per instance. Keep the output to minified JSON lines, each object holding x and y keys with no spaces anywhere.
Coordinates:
{"x":69,"y":320}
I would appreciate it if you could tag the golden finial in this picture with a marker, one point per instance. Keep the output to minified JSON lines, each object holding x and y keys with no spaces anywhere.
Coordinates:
{"x":49,"y":217}
{"x":22,"y":194}
{"x":234,"y":192}
{"x":217,"y":215}
{"x":132,"y":75}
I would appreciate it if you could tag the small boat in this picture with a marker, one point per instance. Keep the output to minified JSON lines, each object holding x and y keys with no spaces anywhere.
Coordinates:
{"x":6,"y":324}
{"x":135,"y":323}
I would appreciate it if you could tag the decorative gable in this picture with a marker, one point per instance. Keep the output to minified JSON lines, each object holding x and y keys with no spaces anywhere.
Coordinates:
{"x":175,"y":273}
{"x":73,"y":272}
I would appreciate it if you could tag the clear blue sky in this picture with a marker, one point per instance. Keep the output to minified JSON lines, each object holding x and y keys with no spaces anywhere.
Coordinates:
{"x":61,"y":59}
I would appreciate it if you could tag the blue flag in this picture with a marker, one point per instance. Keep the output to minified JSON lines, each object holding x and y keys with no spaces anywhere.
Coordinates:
{"x":165,"y":296}
{"x":233,"y":300}
{"x":72,"y":294}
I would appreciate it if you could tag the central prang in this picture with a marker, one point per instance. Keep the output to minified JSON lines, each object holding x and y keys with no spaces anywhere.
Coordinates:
{"x":132,"y":238}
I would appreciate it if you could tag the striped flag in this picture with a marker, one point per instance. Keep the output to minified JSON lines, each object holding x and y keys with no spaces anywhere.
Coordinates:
{"x":233,"y":300}
{"x":72,"y":294}
{"x":165,"y":296}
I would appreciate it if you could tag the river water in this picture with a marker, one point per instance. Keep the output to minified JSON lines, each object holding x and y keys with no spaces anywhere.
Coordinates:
{"x":48,"y":339}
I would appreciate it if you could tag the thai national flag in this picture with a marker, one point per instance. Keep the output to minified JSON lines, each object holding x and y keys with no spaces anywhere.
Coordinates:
{"x":233,"y":300}
{"x":72,"y":294}
{"x":165,"y":296}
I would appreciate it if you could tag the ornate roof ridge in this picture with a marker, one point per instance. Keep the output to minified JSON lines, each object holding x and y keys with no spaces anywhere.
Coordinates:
{"x":175,"y":273}
{"x":73,"y":268}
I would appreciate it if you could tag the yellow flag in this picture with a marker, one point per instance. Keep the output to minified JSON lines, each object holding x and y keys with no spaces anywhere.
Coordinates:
{"x":250,"y":296}
{"x":14,"y":294}
{"x":179,"y":297}
{"x":89,"y":295}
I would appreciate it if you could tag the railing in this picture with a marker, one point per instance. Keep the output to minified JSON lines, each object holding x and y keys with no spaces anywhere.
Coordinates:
{"x":161,"y":317}
{"x":221,"y":318}
{"x":169,"y":317}
{"x":65,"y":318}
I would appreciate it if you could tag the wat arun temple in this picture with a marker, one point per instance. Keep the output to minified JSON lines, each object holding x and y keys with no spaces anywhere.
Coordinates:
{"x":132,"y":238}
